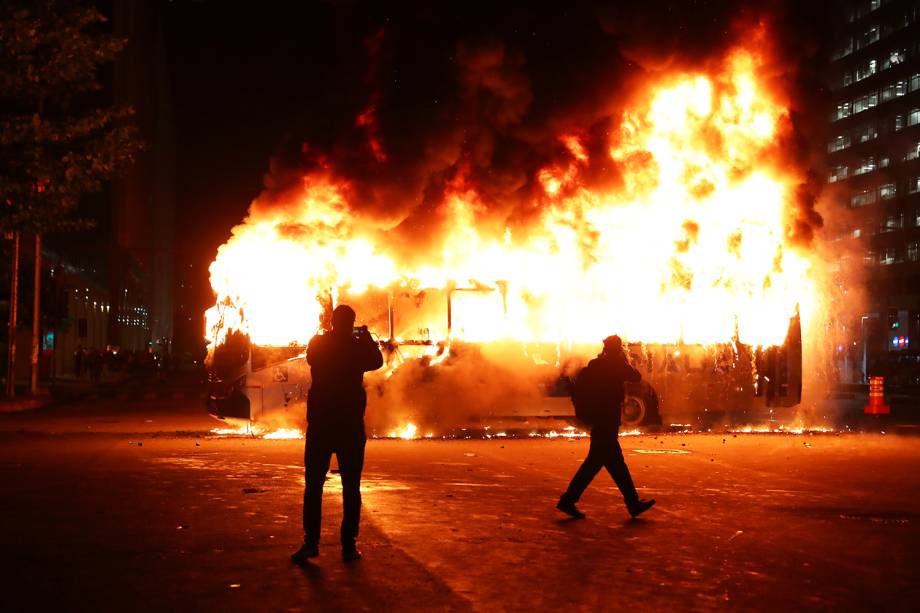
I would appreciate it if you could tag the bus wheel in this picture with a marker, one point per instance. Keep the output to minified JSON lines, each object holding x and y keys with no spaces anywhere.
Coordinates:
{"x":633,"y":412}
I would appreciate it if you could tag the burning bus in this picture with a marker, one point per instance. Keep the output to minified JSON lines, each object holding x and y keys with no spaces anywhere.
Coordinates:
{"x":484,"y":308}
{"x":688,"y":383}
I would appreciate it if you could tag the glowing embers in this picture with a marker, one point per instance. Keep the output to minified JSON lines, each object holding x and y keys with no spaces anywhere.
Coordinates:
{"x":569,"y":432}
{"x":283,"y":433}
{"x":255,"y":430}
{"x":781,"y":429}
{"x":410,"y":431}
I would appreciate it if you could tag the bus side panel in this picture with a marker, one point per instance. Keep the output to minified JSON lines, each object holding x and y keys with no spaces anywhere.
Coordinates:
{"x":279,"y":390}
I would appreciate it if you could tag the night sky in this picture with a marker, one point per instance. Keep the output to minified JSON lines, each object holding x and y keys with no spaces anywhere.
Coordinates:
{"x":242,"y":77}
{"x":254,"y":82}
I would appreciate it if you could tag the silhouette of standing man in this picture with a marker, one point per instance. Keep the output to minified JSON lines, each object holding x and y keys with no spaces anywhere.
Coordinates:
{"x":335,"y":424}
{"x":599,"y":394}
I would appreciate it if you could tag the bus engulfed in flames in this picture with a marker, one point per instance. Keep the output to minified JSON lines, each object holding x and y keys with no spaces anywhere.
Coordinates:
{"x":688,"y":257}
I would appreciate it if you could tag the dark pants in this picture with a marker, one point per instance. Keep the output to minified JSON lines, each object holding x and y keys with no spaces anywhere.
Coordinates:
{"x":348,"y":446}
{"x":604,"y":452}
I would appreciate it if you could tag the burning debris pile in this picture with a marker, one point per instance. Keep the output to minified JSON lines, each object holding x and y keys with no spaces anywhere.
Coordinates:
{"x":678,"y":217}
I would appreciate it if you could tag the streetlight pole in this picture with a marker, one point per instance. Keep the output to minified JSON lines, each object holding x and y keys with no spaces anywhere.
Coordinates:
{"x":862,"y":332}
{"x":36,"y":315}
{"x":14,"y":303}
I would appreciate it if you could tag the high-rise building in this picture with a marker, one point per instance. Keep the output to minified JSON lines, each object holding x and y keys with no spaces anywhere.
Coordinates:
{"x":873,"y":172}
{"x":114,"y":284}
{"x":142,"y":259}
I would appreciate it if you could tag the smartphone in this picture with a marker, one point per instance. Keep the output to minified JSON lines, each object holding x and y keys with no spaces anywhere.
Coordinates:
{"x":359,"y":330}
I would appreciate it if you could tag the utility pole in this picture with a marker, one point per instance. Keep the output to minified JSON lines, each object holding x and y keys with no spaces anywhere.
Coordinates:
{"x":36,"y":314}
{"x":14,"y":302}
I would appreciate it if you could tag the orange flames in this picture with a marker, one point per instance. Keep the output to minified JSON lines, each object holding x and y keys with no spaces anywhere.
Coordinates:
{"x":692,"y":246}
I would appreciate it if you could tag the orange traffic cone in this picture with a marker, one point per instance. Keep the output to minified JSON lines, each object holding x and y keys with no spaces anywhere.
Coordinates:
{"x":877,"y":404}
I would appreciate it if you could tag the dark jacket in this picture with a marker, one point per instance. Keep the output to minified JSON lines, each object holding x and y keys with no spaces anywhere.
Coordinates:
{"x":337,"y":366}
{"x":602,"y":388}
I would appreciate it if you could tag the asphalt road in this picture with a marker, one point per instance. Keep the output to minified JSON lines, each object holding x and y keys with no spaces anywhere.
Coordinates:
{"x":112,"y":506}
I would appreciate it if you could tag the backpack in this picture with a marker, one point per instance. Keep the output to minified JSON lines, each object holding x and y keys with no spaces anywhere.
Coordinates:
{"x":584,"y":396}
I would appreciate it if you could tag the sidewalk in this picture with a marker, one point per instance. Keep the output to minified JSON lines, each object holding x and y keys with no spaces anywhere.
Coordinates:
{"x":53,"y":393}
{"x":70,"y":390}
{"x":25,"y":403}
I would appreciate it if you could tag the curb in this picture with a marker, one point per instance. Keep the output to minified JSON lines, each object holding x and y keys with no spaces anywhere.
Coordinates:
{"x":26,"y":404}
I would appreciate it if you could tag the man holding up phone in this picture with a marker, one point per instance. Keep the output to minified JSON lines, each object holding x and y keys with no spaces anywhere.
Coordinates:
{"x":336,"y":401}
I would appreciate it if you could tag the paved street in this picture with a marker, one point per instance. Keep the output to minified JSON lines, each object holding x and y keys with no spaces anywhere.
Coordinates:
{"x":132,"y":505}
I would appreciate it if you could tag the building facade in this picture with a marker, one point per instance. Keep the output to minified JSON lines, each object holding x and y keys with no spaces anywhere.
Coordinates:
{"x":113,"y":287}
{"x":873,"y":176}
{"x":142,"y":257}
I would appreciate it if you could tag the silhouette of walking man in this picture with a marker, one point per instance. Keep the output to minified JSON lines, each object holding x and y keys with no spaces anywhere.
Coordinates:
{"x":335,"y":424}
{"x":598,"y":394}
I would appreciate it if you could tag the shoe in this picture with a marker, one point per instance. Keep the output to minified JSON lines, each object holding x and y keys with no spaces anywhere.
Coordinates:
{"x":305,"y":553}
{"x":640,"y":506}
{"x":350,"y":554}
{"x":569,"y":508}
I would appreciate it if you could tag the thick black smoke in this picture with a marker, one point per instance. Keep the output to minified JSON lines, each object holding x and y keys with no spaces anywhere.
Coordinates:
{"x":436,"y":94}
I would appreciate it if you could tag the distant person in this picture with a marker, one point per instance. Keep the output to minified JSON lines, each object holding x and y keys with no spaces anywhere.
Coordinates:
{"x":78,"y":361}
{"x":165,"y":364}
{"x":335,"y":424}
{"x":94,"y":364}
{"x":130,"y":360}
{"x":598,"y":394}
{"x":109,"y":358}
{"x":147,"y":365}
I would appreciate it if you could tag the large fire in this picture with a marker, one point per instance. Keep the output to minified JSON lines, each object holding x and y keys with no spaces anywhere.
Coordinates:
{"x":692,"y":246}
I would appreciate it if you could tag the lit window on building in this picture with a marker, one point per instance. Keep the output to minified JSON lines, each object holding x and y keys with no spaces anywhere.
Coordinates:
{"x":889,"y":92}
{"x":845,"y":50}
{"x":843,"y":110}
{"x":894,"y":222}
{"x":884,"y":162}
{"x":888,"y":256}
{"x":914,"y":117}
{"x":913,"y":251}
{"x":888,"y":191}
{"x":898,"y":123}
{"x":856,"y":233}
{"x":839,"y":143}
{"x":866,"y":69}
{"x":863,"y":103}
{"x":869,"y":132}
{"x":915,"y":82}
{"x":913,"y":186}
{"x":913,"y":153}
{"x":865,"y":166}
{"x":863,"y":198}
{"x":893,"y":59}
{"x":839,"y":173}
{"x":869,"y":258}
{"x":862,"y":9}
